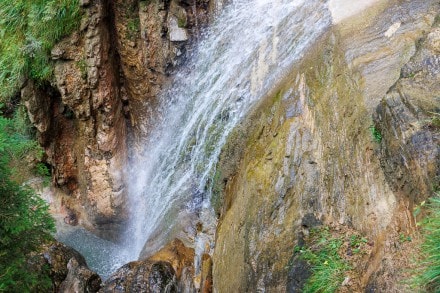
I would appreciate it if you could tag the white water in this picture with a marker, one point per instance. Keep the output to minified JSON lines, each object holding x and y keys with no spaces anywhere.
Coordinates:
{"x":245,"y":52}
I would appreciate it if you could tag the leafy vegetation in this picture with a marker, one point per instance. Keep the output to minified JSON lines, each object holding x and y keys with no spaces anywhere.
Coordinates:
{"x":377,"y":136}
{"x":24,"y":219}
{"x":428,"y":275}
{"x":328,"y":268}
{"x":21,"y":153}
{"x":28,"y":31}
{"x":356,"y":243}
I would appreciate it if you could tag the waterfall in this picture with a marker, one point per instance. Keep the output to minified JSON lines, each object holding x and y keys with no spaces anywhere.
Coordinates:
{"x":239,"y":59}
{"x":250,"y":47}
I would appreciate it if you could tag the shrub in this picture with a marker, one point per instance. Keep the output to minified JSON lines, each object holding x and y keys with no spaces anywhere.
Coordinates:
{"x":20,"y":152}
{"x":24,"y":219}
{"x":28,"y":31}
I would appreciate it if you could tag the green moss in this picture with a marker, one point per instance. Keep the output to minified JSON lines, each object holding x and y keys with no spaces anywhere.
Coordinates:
{"x":181,"y":22}
{"x":375,"y":133}
{"x":435,"y":119}
{"x":29,"y":29}
{"x":82,"y":65}
{"x":131,"y":11}
{"x":133,"y":28}
{"x":436,"y":21}
{"x":229,"y":161}
{"x":217,"y":191}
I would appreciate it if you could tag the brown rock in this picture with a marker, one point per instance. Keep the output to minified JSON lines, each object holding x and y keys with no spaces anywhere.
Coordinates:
{"x":323,"y":159}
{"x":169,"y":270}
{"x":66,"y":268}
{"x":81,"y":123}
{"x":80,"y":279}
{"x":177,"y":254}
{"x":109,"y":70}
{"x":144,"y":276}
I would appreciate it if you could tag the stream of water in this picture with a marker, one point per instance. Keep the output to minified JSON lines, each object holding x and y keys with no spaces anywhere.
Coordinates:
{"x":241,"y":57}
{"x":244,"y":53}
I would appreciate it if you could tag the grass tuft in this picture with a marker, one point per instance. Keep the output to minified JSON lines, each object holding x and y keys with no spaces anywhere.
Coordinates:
{"x":28,"y":31}
{"x":428,"y":275}
{"x":328,"y":268}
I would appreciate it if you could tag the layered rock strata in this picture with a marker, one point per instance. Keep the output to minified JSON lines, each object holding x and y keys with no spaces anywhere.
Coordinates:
{"x":349,"y":140}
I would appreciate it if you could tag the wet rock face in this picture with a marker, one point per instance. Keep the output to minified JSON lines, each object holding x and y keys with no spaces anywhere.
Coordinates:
{"x":58,"y":256}
{"x":309,"y":156}
{"x":171,"y":269}
{"x":152,"y":38}
{"x":410,"y":146}
{"x":81,"y":125}
{"x":107,"y":77}
{"x":298,"y":275}
{"x":142,"y":277}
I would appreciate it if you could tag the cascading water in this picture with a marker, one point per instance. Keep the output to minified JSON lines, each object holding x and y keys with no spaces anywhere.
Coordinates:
{"x":240,"y":58}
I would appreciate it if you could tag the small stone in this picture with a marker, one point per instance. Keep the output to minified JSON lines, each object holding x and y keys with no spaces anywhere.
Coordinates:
{"x":57,"y":53}
{"x":346,"y":281}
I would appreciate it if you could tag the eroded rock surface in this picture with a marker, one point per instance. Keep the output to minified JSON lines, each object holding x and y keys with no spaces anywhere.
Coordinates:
{"x":406,"y":120}
{"x":304,"y":157}
{"x":170,"y":270}
{"x":107,"y":77}
{"x":142,"y":277}
{"x":80,"y":279}
{"x":309,"y":149}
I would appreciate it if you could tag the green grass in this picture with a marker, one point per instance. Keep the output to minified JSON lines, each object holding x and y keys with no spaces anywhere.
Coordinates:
{"x":428,"y":274}
{"x":328,"y":268}
{"x":28,"y":31}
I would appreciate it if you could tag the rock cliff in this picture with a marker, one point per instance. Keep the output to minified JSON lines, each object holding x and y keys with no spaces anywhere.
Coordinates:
{"x":107,"y":77}
{"x":347,"y":141}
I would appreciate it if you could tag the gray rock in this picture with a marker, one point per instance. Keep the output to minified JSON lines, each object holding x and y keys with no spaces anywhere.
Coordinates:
{"x":299,"y":273}
{"x":176,"y":33}
{"x":66,"y":268}
{"x":142,"y":276}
